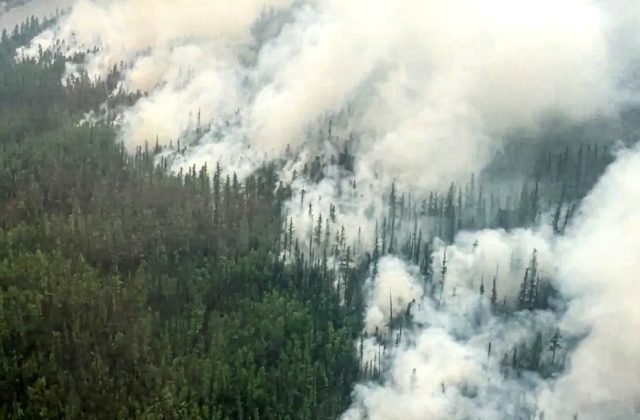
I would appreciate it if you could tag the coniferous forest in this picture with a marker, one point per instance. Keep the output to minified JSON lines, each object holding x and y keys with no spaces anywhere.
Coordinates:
{"x":129,"y":291}
{"x":132,"y":286}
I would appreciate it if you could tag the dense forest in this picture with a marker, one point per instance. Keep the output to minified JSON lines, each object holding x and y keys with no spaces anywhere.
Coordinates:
{"x":132,"y":289}
{"x":129,"y":291}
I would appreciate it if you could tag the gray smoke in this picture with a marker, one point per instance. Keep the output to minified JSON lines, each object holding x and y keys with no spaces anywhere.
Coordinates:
{"x":434,"y":87}
{"x":594,"y":266}
{"x":599,"y":262}
{"x":12,"y":16}
{"x":450,"y":363}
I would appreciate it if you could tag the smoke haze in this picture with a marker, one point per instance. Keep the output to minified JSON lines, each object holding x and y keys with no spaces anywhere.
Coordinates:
{"x":424,"y":84}
{"x":428,"y":377}
{"x":600,"y":283}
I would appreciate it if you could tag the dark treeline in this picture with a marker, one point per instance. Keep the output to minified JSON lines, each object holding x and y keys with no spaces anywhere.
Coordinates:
{"x":127,"y":291}
{"x":131,"y":291}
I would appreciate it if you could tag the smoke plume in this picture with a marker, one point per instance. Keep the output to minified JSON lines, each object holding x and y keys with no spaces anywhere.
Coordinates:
{"x":425,"y":91}
{"x":431,"y":373}
{"x":599,"y":262}
{"x":451,"y":364}
{"x":424,"y":84}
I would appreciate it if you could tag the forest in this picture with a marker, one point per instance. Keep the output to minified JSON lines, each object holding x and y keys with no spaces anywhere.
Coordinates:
{"x":135,"y":286}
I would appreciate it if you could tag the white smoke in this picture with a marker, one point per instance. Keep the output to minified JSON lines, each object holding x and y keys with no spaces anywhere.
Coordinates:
{"x":477,"y":258}
{"x":594,"y":267}
{"x":393,"y":289}
{"x":426,"y":88}
{"x":599,"y":266}
{"x":436,"y":84}
{"x":184,"y":55}
{"x":449,"y":364}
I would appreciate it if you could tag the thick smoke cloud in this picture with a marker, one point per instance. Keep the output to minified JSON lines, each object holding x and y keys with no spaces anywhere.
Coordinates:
{"x":451,"y":363}
{"x":433,"y":84}
{"x":430,"y":373}
{"x":496,"y":254}
{"x":185,"y":55}
{"x":393,"y":289}
{"x":600,"y":262}
{"x":426,"y":90}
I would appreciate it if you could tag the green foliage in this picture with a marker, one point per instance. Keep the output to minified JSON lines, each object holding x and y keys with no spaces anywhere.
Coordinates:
{"x":127,"y":291}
